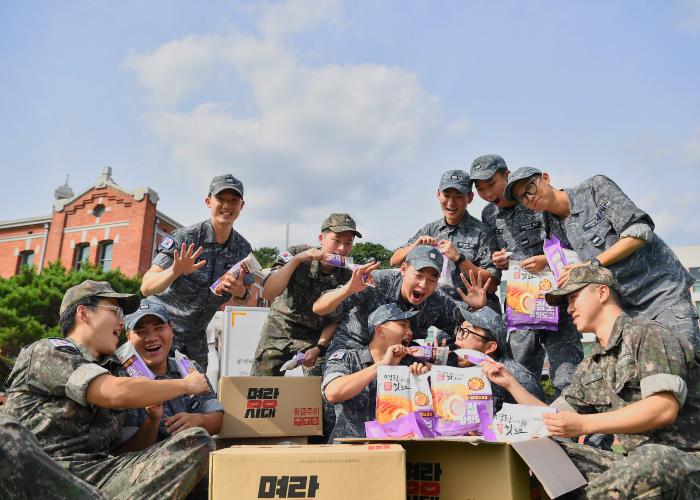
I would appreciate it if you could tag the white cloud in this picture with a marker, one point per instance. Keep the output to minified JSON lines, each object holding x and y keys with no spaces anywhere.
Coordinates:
{"x":293,"y":16}
{"x":331,"y":138}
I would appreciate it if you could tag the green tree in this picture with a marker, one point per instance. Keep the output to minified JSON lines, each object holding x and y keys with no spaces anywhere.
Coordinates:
{"x":266,"y":255}
{"x":366,"y":251}
{"x":30,"y":301}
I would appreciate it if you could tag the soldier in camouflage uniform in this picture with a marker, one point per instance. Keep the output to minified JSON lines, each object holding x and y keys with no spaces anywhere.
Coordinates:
{"x":413,"y":287}
{"x":605,"y":227}
{"x":181,"y":283}
{"x":350,"y":379}
{"x":150,"y":331}
{"x":298,"y":277}
{"x":521,"y":232}
{"x":60,"y":390}
{"x":641,"y":382}
{"x":483,"y":330}
{"x":463,"y":239}
{"x":26,"y":472}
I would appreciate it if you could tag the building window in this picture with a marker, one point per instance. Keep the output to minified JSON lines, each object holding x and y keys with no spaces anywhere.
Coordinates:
{"x":98,"y":210}
{"x":82,"y":254}
{"x":104,"y":256}
{"x":26,"y":258}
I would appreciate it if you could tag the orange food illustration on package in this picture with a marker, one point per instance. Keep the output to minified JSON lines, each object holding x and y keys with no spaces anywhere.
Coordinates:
{"x":421,"y":398}
{"x":392,"y":407}
{"x":521,"y":297}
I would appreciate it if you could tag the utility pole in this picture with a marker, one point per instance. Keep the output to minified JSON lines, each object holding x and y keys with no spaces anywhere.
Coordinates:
{"x":286,"y":237}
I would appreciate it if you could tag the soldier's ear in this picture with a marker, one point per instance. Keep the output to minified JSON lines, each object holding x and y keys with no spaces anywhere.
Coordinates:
{"x":470,"y":197}
{"x":207,"y":201}
{"x":491,"y":347}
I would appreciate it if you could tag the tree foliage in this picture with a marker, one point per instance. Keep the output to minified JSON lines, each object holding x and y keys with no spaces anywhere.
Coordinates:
{"x":30,"y":301}
{"x":366,"y":251}
{"x":266,"y":255}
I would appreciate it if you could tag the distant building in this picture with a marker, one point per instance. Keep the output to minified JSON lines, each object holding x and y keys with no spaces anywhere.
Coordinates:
{"x":689,"y":256}
{"x":106,"y":225}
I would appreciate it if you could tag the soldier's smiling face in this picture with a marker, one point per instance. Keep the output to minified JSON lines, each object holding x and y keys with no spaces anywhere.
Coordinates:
{"x":418,"y":284}
{"x":153,"y":339}
{"x":491,"y":190}
{"x":396,"y":332}
{"x":453,"y":204}
{"x":225,"y":207}
{"x":106,"y":326}
{"x":337,"y":243}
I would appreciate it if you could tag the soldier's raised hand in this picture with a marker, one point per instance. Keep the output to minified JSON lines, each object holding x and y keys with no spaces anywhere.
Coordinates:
{"x":184,"y":260}
{"x":309,"y":255}
{"x":357,"y":282}
{"x":475,"y":297}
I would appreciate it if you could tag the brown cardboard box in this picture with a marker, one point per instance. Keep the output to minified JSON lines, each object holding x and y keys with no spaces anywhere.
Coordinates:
{"x":271,"y":406}
{"x":222,"y":443}
{"x":332,"y":472}
{"x":470,"y":468}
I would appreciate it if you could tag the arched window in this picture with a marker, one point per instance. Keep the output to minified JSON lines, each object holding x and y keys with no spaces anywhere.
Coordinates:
{"x":26,"y":258}
{"x":104,"y":255}
{"x":82,"y":254}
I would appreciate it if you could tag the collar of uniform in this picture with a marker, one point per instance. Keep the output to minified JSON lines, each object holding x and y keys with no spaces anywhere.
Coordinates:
{"x":86,"y":353}
{"x":461,"y":223}
{"x":574,"y":206}
{"x":366,"y":357}
{"x":615,"y":336}
{"x":172,"y":368}
{"x":210,"y":235}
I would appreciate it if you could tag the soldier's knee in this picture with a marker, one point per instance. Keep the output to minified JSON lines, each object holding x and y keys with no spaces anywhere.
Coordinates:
{"x":196,"y":439}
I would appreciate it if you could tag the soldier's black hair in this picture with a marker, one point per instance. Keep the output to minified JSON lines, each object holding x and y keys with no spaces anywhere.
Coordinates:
{"x":67,"y":319}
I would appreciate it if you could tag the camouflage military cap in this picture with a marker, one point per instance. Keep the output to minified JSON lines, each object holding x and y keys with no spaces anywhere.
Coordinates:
{"x":387,"y":312}
{"x":339,"y":223}
{"x":89,"y":288}
{"x":424,"y":256}
{"x":518,"y":175}
{"x":146,"y":308}
{"x":579,"y":278}
{"x":485,"y":166}
{"x":223,"y":182}
{"x":455,"y":179}
{"x":485,"y":318}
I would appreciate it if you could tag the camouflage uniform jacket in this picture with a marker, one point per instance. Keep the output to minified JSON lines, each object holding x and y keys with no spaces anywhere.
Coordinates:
{"x":524,"y":378}
{"x":471,"y":238}
{"x":46,"y":393}
{"x":642,"y":358}
{"x":351,"y":415}
{"x":188,"y":300}
{"x":200,"y":403}
{"x":353,"y":333}
{"x":652,"y":279}
{"x":291,"y":314}
{"x":518,"y":229}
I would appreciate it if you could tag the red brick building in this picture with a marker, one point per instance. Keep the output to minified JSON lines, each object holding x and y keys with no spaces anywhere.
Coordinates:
{"x":106,"y":224}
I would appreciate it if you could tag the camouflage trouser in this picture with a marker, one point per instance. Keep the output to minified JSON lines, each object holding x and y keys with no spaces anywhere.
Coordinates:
{"x":649,"y":471}
{"x":563,"y":349}
{"x":168,"y":469}
{"x":26,"y":472}
{"x":194,"y":344}
{"x":274,"y":350}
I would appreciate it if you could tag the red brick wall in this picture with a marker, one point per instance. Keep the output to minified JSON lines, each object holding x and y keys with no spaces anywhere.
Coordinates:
{"x":32,"y":238}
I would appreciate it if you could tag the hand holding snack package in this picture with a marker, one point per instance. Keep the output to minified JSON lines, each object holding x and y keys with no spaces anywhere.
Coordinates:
{"x":337,"y":260}
{"x":472,"y":356}
{"x":558,"y":255}
{"x":249,"y":265}
{"x":297,"y":360}
{"x":132,"y":361}
{"x":429,"y":354}
{"x":525,"y":303}
{"x":393,"y":393}
{"x":422,"y":398}
{"x":520,"y":422}
{"x":184,"y":365}
{"x":462,"y":399}
{"x":445,"y":278}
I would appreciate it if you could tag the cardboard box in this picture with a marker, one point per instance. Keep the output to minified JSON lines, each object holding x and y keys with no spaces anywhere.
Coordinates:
{"x":271,"y":406}
{"x":222,"y":443}
{"x":332,"y":472}
{"x":470,"y":468}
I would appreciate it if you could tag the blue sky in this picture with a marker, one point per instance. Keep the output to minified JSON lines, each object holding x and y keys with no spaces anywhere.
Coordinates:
{"x":322,"y":106}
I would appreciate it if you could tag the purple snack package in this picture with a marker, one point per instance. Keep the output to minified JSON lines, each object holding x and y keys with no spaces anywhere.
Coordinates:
{"x":474,"y":357}
{"x":408,"y":426}
{"x":558,"y":255}
{"x":249,"y":265}
{"x":297,"y":360}
{"x":525,"y":305}
{"x":184,"y":365}
{"x":486,"y":422}
{"x":430,"y":354}
{"x":132,"y":362}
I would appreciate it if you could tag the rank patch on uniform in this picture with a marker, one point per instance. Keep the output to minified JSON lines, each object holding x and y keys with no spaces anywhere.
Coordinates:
{"x":166,"y":243}
{"x":62,"y":343}
{"x":337,"y":355}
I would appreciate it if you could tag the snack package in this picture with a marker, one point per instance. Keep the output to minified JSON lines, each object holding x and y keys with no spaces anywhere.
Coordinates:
{"x":456,"y":395}
{"x":429,"y":354}
{"x":558,"y":255}
{"x":422,"y":398}
{"x":408,"y":426}
{"x":249,"y":265}
{"x":342,"y":261}
{"x":520,"y":422}
{"x":184,"y":365}
{"x":132,"y":361}
{"x":474,"y":357}
{"x":445,"y":278}
{"x":297,"y":360}
{"x":393,"y":393}
{"x":525,"y":303}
